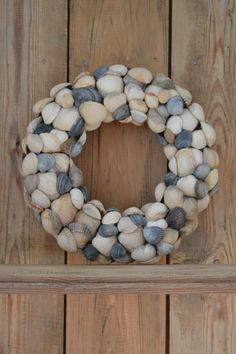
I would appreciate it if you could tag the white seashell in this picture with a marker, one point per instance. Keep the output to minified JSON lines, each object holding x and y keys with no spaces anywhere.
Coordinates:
{"x":33,"y":124}
{"x":199,"y":139}
{"x":138,"y":105}
{"x":187,"y":185}
{"x":212,"y":179}
{"x":209,"y":132}
{"x":77,"y":198}
{"x":159,"y":223}
{"x":64,"y":209}
{"x":145,"y":207}
{"x":173,"y":165}
{"x":173,"y":197}
{"x":190,"y":207}
{"x":62,"y":162}
{"x":51,"y":143}
{"x":156,"y":211}
{"x":76,"y":176}
{"x":188,"y":120}
{"x":133,"y":91}
{"x":23,"y":146}
{"x":170,"y":236}
{"x":153,"y":89}
{"x":131,"y":211}
{"x":104,"y":244}
{"x":92,"y":127}
{"x":66,"y":118}
{"x":175,"y":124}
{"x":144,"y":253}
{"x":92,"y":211}
{"x":34,"y":143}
{"x":66,"y":240}
{"x":40,"y":199}
{"x":83,"y":138}
{"x":203,"y":203}
{"x":58,"y":87}
{"x":126,"y":225}
{"x":84,"y":80}
{"x":197,"y":111}
{"x":138,"y":117}
{"x":109,"y":84}
{"x":64,"y":98}
{"x":211,"y":158}
{"x":159,"y":191}
{"x":170,"y":151}
{"x":30,"y":164}
{"x":109,"y":118}
{"x":61,"y":135}
{"x":118,"y":69}
{"x":197,"y":154}
{"x":185,"y":162}
{"x":50,"y":111}
{"x":155,"y":122}
{"x":114,"y":100}
{"x":48,"y":184}
{"x":98,"y":204}
{"x":112,"y":217}
{"x":39,"y":105}
{"x":141,"y":74}
{"x":185,"y":94}
{"x":93,"y":112}
{"x":151,"y":100}
{"x":131,"y":240}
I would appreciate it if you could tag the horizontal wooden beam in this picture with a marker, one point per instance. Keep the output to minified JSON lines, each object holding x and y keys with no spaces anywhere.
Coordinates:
{"x":163,"y":279}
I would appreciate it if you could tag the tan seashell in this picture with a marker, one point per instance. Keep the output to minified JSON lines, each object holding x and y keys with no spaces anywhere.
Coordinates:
{"x":64,"y":98}
{"x":77,"y":198}
{"x":151,"y":100}
{"x":50,"y":112}
{"x":185,"y":162}
{"x":93,"y":112}
{"x":159,"y":191}
{"x":48,"y":184}
{"x":212,"y":179}
{"x":76,"y":176}
{"x":33,"y":124}
{"x":30,"y":164}
{"x":170,"y":151}
{"x":64,"y":209}
{"x":118,"y":69}
{"x":209,"y":132}
{"x":133,"y":91}
{"x":131,"y":240}
{"x":92,"y":211}
{"x":173,"y":197}
{"x":155,"y":122}
{"x":112,"y":217}
{"x":34,"y":143}
{"x":104,"y":244}
{"x":101,"y":259}
{"x":109,"y":84}
{"x":199,"y":139}
{"x":98,"y":205}
{"x":197,"y":111}
{"x":138,"y":117}
{"x":114,"y":100}
{"x":189,"y":122}
{"x":187,"y":185}
{"x":40,"y":199}
{"x":175,"y":124}
{"x":169,"y":136}
{"x":81,"y":234}
{"x":126,"y":225}
{"x":170,"y":236}
{"x":211,"y":158}
{"x":197,"y":154}
{"x":164,"y":96}
{"x":84,"y":81}
{"x":62,"y":162}
{"x":87,"y":220}
{"x":144,"y":253}
{"x":24,"y":147}
{"x":190,"y":207}
{"x":39,"y":105}
{"x":66,"y":118}
{"x":61,"y":135}
{"x":160,"y":223}
{"x":156,"y":211}
{"x":189,"y":227}
{"x":203,"y":203}
{"x":92,"y":127}
{"x":185,"y":94}
{"x":51,"y":223}
{"x":141,"y":74}
{"x":51,"y":143}
{"x":31,"y":183}
{"x":55,"y":89}
{"x":138,"y":105}
{"x":132,"y":211}
{"x":66,"y":240}
{"x":108,"y":118}
{"x":173,"y":165}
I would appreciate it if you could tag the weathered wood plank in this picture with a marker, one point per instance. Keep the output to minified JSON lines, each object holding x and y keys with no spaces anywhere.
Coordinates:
{"x":203,"y":59}
{"x":127,"y":157}
{"x":33,"y":58}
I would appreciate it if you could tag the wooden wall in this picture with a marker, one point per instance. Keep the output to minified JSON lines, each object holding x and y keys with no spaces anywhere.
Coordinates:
{"x":44,"y":42}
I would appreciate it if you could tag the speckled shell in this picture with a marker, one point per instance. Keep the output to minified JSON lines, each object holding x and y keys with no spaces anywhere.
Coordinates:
{"x":51,"y":222}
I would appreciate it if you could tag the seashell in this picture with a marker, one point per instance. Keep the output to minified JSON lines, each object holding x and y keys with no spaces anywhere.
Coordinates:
{"x":126,"y":225}
{"x":108,"y":118}
{"x":31,"y":183}
{"x":169,"y":136}
{"x":62,"y":162}
{"x":164,"y":248}
{"x":98,"y":205}
{"x":162,"y":110}
{"x":101,"y":259}
{"x":134,"y":91}
{"x":77,"y":129}
{"x":108,"y":230}
{"x":138,"y":117}
{"x":190,"y":207}
{"x":187,"y":185}
{"x":100,"y":71}
{"x":143,"y":253}
{"x":23,"y":147}
{"x":183,"y":139}
{"x":170,"y":236}
{"x":172,"y":164}
{"x":88,"y":94}
{"x":39,"y":105}
{"x":30,"y":164}
{"x":197,"y":154}
{"x":66,"y":240}
{"x":173,"y":197}
{"x":77,"y":198}
{"x":81,"y":234}
{"x":175,"y":106}
{"x":161,"y":140}
{"x":114,"y":101}
{"x":145,"y":207}
{"x":111,"y":217}
{"x":159,"y":223}
{"x":189,"y":122}
{"x":64,"y":184}
{"x":90,"y":252}
{"x":118,"y":69}
{"x":151,"y":100}
{"x":156,"y":211}
{"x":185,"y":162}
{"x":130,"y":80}
{"x":132,"y":211}
{"x":76,"y":176}
{"x":209,"y":133}
{"x":104,"y":244}
{"x":83,"y":138}
{"x":48,"y":183}
{"x":86,"y":193}
{"x":131,"y":240}
{"x":163,"y":81}
{"x":138,"y":220}
{"x":75,"y":149}
{"x":214,"y":190}
{"x":93,"y":112}
{"x":202,"y":204}
{"x":45,"y":162}
{"x":43,"y":128}
{"x":155,"y":122}
{"x":174,"y":123}
{"x":176,"y":218}
{"x":164,"y":96}
{"x":33,"y":125}
{"x":64,"y":209}
{"x":50,"y":112}
{"x":29,"y":203}
{"x":211,"y":158}
{"x":40,"y":199}
{"x":109,"y":84}
{"x":170,"y":151}
{"x":50,"y":142}
{"x":89,"y":221}
{"x":199,"y":139}
{"x":197,"y":111}
{"x":212,"y":179}
{"x":66,"y":119}
{"x":201,"y":171}
{"x":64,"y":98}
{"x":153,"y":89}
{"x":122,"y":112}
{"x":138,"y":105}
{"x":201,"y":189}
{"x":61,"y":135}
{"x":92,"y":211}
{"x":189,"y":227}
{"x":185,"y":94}
{"x":50,"y":221}
{"x":153,"y":234}
{"x":159,"y":191}
{"x":58,"y":87}
{"x":154,"y":260}
{"x":177,"y":243}
{"x":140,"y":74}
{"x":84,"y":81}
{"x":118,"y":251}
{"x":92,"y":127}
{"x":170,"y":179}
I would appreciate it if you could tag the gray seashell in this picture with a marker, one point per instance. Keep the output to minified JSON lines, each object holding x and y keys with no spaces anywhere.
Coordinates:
{"x":153,"y":234}
{"x":45,"y":162}
{"x":201,"y":171}
{"x":130,"y":80}
{"x":76,"y":176}
{"x":86,"y":193}
{"x":121,"y":112}
{"x":77,"y":129}
{"x":64,"y":184}
{"x":162,"y":110}
{"x":75,"y":149}
{"x":31,"y":183}
{"x":108,"y":230}
{"x":43,"y":128}
{"x":183,"y":139}
{"x":100,"y":71}
{"x":164,"y":248}
{"x":161,"y":140}
{"x":118,"y":251}
{"x":90,"y":252}
{"x":175,"y":105}
{"x":201,"y":189}
{"x":176,"y":218}
{"x":86,"y":94}
{"x":138,"y":219}
{"x":163,"y":81}
{"x":170,"y":179}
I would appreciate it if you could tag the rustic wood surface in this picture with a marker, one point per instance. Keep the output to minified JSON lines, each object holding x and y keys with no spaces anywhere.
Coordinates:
{"x":203,"y":41}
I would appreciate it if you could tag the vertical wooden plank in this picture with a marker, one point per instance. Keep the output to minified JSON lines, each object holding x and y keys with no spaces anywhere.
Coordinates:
{"x":203,"y":59}
{"x":121,"y":164}
{"x":33,"y":58}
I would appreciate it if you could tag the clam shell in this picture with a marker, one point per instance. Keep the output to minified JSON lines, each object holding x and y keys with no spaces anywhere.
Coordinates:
{"x":156,"y":211}
{"x":173,"y":197}
{"x":201,"y":189}
{"x":61,"y":135}
{"x":77,"y":129}
{"x":189,"y":227}
{"x":153,"y":234}
{"x":64,"y":184}
{"x":43,"y":128}
{"x":92,"y":127}
{"x":209,"y":132}
{"x":108,"y":118}
{"x":190,"y":207}
{"x":84,"y":81}
{"x":100,"y":71}
{"x":76,"y":176}
{"x":81,"y":234}
{"x":188,"y":185}
{"x":197,"y":111}
{"x":163,"y":81}
{"x":212,"y":179}
{"x":140,"y":74}
{"x":66,"y":240}
{"x":131,"y":211}
{"x":62,"y":162}
{"x":153,"y":89}
{"x":118,"y":69}
{"x":98,"y":205}
{"x":23,"y":146}
{"x":161,"y":140}
{"x":118,"y":251}
{"x":88,"y":94}
{"x":159,"y":191}
{"x":175,"y":124}
{"x":130,"y":80}
{"x":104,"y":244}
{"x":185,"y":162}
{"x":33,"y":125}
{"x":151,"y":100}
{"x":109,"y":84}
{"x":170,"y":236}
{"x":155,"y":122}
{"x":164,"y":248}
{"x":30,"y":164}
{"x":40,"y":199}
{"x":131,"y":240}
{"x":164,"y":96}
{"x":48,"y":183}
{"x":111,"y":217}
{"x":211,"y":158}
{"x":199,"y":139}
{"x":55,"y":89}
{"x":170,"y":179}
{"x":31,"y":183}
{"x":36,"y":208}
{"x":39,"y":105}
{"x":64,"y":209}
{"x":145,"y":207}
{"x":101,"y":259}
{"x":86,"y":193}
{"x":75,"y":149}
{"x":144,"y":253}
{"x":176,"y":218}
{"x":183,"y":139}
{"x":138,"y":105}
{"x":92,"y":211}
{"x":107,"y":230}
{"x":159,"y":223}
{"x":133,"y":91}
{"x":66,"y":119}
{"x":50,"y":111}
{"x":189,"y":122}
{"x":89,"y":221}
{"x":162,"y":110}
{"x":185,"y":94}
{"x":175,"y":106}
{"x":93,"y":112}
{"x":214,"y":190}
{"x":83,"y":138}
{"x":154,"y":260}
{"x":138,"y":220}
{"x":77,"y":198}
{"x":64,"y":98}
{"x":50,"y":142}
{"x":169,"y":136}
{"x":126,"y":225}
{"x":122,"y":112}
{"x":90,"y":252}
{"x":138,"y":117}
{"x":45,"y":162}
{"x":203,"y":203}
{"x":197,"y":154}
{"x":172,"y":164}
{"x":201,"y":171}
{"x":170,"y":151}
{"x":114,"y":100}
{"x":51,"y":223}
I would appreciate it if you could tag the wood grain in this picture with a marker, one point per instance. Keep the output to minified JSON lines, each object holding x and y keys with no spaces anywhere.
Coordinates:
{"x":125,"y":157}
{"x":203,"y":59}
{"x":33,"y":59}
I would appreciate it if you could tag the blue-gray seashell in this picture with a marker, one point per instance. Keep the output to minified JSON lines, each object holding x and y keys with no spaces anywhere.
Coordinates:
{"x":175,"y":105}
{"x":90,"y":252}
{"x":201,"y":189}
{"x":161,"y":140}
{"x":112,"y":209}
{"x":86,"y":193}
{"x":85,"y":94}
{"x":77,"y":129}
{"x":176,"y":218}
{"x":121,"y":112}
{"x":64,"y":184}
{"x":45,"y":162}
{"x":164,"y":248}
{"x":43,"y":128}
{"x":100,"y":71}
{"x":162,"y":110}
{"x":108,"y":230}
{"x":153,"y":234}
{"x":201,"y":171}
{"x":183,"y":139}
{"x":130,"y":80}
{"x":75,"y":149}
{"x":118,"y":251}
{"x":170,"y":179}
{"x":138,"y":220}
